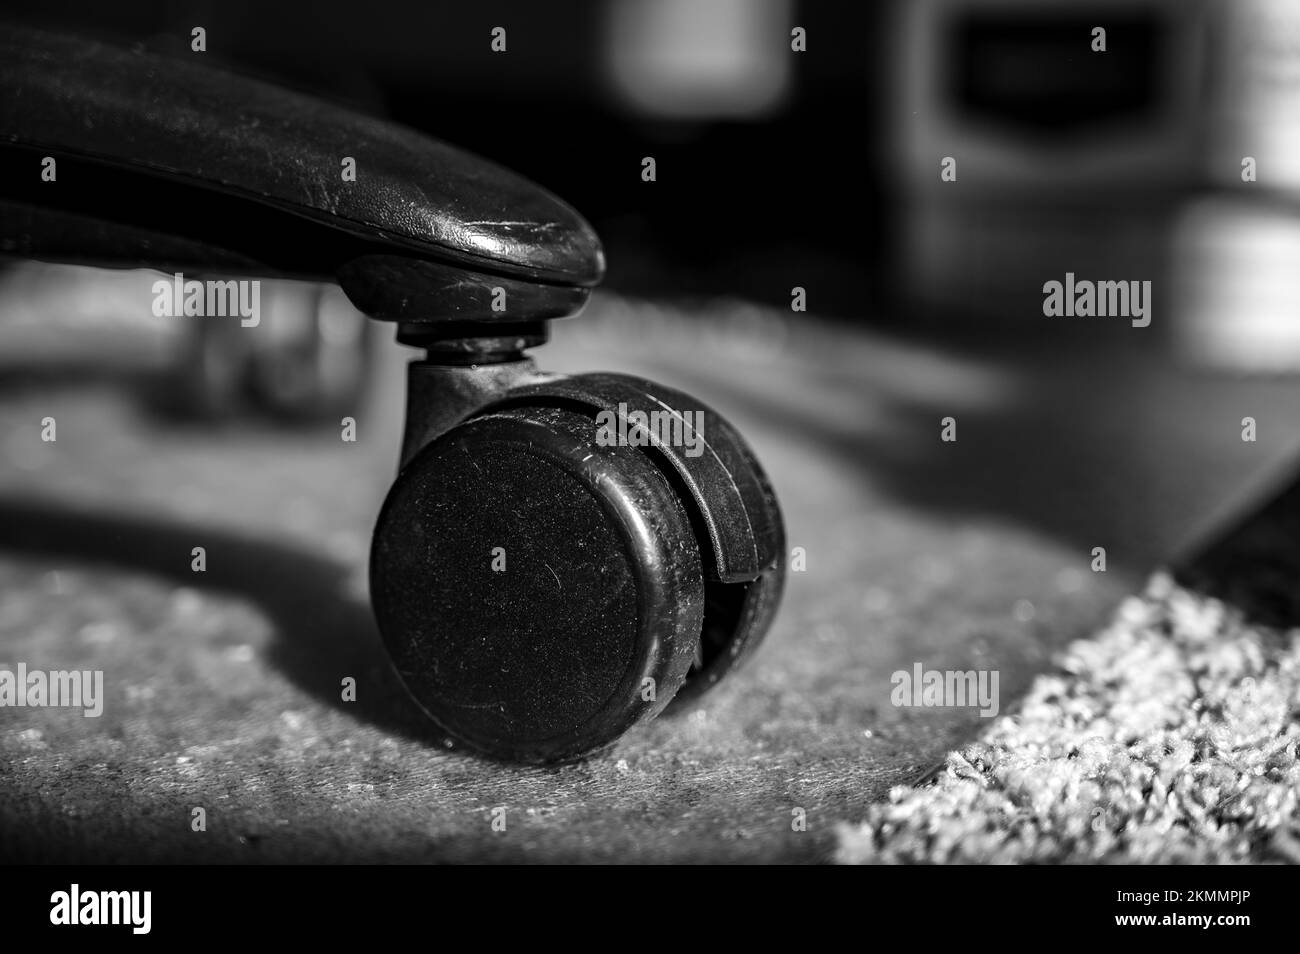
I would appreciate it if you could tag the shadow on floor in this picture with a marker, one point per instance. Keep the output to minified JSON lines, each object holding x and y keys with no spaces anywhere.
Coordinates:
{"x":320,"y":630}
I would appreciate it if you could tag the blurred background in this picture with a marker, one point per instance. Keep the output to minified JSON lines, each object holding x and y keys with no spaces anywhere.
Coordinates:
{"x":800,"y":151}
{"x":784,"y":161}
{"x":821,"y":168}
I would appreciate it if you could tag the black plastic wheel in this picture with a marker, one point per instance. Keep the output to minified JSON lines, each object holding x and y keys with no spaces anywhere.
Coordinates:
{"x":731,"y":503}
{"x":537,"y":593}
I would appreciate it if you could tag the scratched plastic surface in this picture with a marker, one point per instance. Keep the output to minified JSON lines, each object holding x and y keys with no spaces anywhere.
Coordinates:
{"x":210,"y":129}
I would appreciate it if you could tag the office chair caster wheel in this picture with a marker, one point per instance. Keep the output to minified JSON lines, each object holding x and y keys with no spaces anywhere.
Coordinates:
{"x":540,"y":592}
{"x":540,"y":589}
{"x":312,"y":359}
{"x":206,"y":380}
{"x":306,"y":359}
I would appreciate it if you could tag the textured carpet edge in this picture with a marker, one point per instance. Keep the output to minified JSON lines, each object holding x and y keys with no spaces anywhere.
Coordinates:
{"x":1168,"y":737}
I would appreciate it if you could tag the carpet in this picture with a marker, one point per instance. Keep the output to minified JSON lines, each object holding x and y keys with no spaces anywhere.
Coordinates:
{"x":1170,"y":737}
{"x":222,"y":688}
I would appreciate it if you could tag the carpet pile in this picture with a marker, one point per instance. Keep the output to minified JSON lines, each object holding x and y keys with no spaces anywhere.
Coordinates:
{"x":1169,"y":737}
